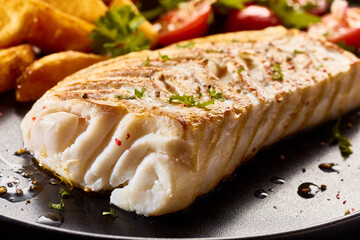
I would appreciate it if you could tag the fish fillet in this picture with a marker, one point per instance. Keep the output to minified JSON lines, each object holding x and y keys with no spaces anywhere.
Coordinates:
{"x":157,"y":156}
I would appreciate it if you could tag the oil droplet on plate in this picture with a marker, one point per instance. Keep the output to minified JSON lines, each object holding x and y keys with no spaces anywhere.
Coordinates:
{"x":51,"y":218}
{"x":260,"y":193}
{"x":330,"y":167}
{"x":277,"y":180}
{"x":308,"y":190}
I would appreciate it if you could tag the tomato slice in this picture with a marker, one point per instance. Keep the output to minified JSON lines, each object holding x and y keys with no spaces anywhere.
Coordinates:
{"x":189,"y":20}
{"x":340,"y":27}
{"x":252,"y":17}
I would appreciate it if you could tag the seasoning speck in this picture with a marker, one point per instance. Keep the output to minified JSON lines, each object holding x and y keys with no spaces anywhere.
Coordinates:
{"x":117,"y":142}
{"x":3,"y":189}
{"x":347,"y":212}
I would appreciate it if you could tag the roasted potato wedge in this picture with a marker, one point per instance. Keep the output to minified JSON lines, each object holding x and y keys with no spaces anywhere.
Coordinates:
{"x":47,"y":71}
{"x":36,"y":22}
{"x":146,"y":27}
{"x":88,"y":10}
{"x":55,"y":31}
{"x":16,"y":17}
{"x":13,"y":61}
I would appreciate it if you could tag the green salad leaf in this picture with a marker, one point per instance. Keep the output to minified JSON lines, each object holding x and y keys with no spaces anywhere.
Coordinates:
{"x":290,"y":16}
{"x":117,"y":33}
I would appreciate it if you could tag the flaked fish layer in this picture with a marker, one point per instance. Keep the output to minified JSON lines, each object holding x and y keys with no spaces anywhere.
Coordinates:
{"x":157,"y":156}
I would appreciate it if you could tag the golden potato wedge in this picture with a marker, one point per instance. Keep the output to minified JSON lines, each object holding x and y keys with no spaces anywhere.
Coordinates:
{"x":88,"y":10}
{"x":47,"y":71}
{"x":36,"y":22}
{"x":16,"y":17}
{"x":13,"y":61}
{"x":55,"y":31}
{"x":146,"y":27}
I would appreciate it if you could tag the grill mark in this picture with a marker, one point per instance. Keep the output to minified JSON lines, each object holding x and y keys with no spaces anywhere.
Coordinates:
{"x":239,"y":131}
{"x":334,"y":94}
{"x":211,"y":148}
{"x":278,"y":115}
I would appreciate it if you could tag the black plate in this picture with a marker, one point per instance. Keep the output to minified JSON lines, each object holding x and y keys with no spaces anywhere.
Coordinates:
{"x":230,"y":211}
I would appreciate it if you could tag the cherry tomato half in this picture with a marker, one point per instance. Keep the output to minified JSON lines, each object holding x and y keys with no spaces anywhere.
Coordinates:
{"x":188,"y":20}
{"x":345,"y":29}
{"x":252,"y":17}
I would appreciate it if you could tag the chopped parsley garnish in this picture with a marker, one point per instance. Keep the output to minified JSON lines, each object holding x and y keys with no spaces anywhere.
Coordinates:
{"x":240,"y":70}
{"x":137,"y":94}
{"x":164,"y":57}
{"x":338,"y":138}
{"x":214,"y":51}
{"x":110,"y":213}
{"x":277,"y":73}
{"x":186,"y":45}
{"x":189,"y":101}
{"x":296,"y":51}
{"x":117,"y":32}
{"x":59,"y":206}
{"x":64,"y":193}
{"x":216,"y":95}
{"x":146,"y":62}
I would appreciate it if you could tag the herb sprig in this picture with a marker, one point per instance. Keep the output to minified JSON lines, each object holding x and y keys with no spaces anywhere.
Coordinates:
{"x":338,"y":138}
{"x":217,"y":95}
{"x":189,"y":101}
{"x":277,"y":73}
{"x":110,"y":213}
{"x":137,"y":94}
{"x":117,"y":32}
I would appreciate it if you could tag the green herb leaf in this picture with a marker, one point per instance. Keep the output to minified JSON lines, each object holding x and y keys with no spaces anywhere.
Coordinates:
{"x":338,"y":138}
{"x":234,"y":4}
{"x":296,"y":51}
{"x":291,"y":17}
{"x":277,"y":73}
{"x":240,"y":70}
{"x":186,"y":45}
{"x":189,"y":101}
{"x":117,"y":33}
{"x":164,"y":57}
{"x":110,"y":213}
{"x":137,"y":94}
{"x":59,"y":206}
{"x":163,"y":7}
{"x":140,"y":94}
{"x":64,"y":193}
{"x":216,"y":95}
{"x":146,"y":62}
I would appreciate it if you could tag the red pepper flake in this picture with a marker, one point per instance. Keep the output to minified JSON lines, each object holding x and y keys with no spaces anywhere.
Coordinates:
{"x":338,"y":196}
{"x":254,"y":149}
{"x":352,"y":209}
{"x":44,"y":107}
{"x":323,"y":144}
{"x":118,"y":142}
{"x":324,"y":70}
{"x":328,"y":199}
{"x":33,"y":119}
{"x":127,"y":136}
{"x":344,"y":201}
{"x":1,"y":114}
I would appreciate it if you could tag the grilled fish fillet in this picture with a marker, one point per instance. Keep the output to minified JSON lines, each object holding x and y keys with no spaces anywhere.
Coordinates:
{"x":157,"y":156}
